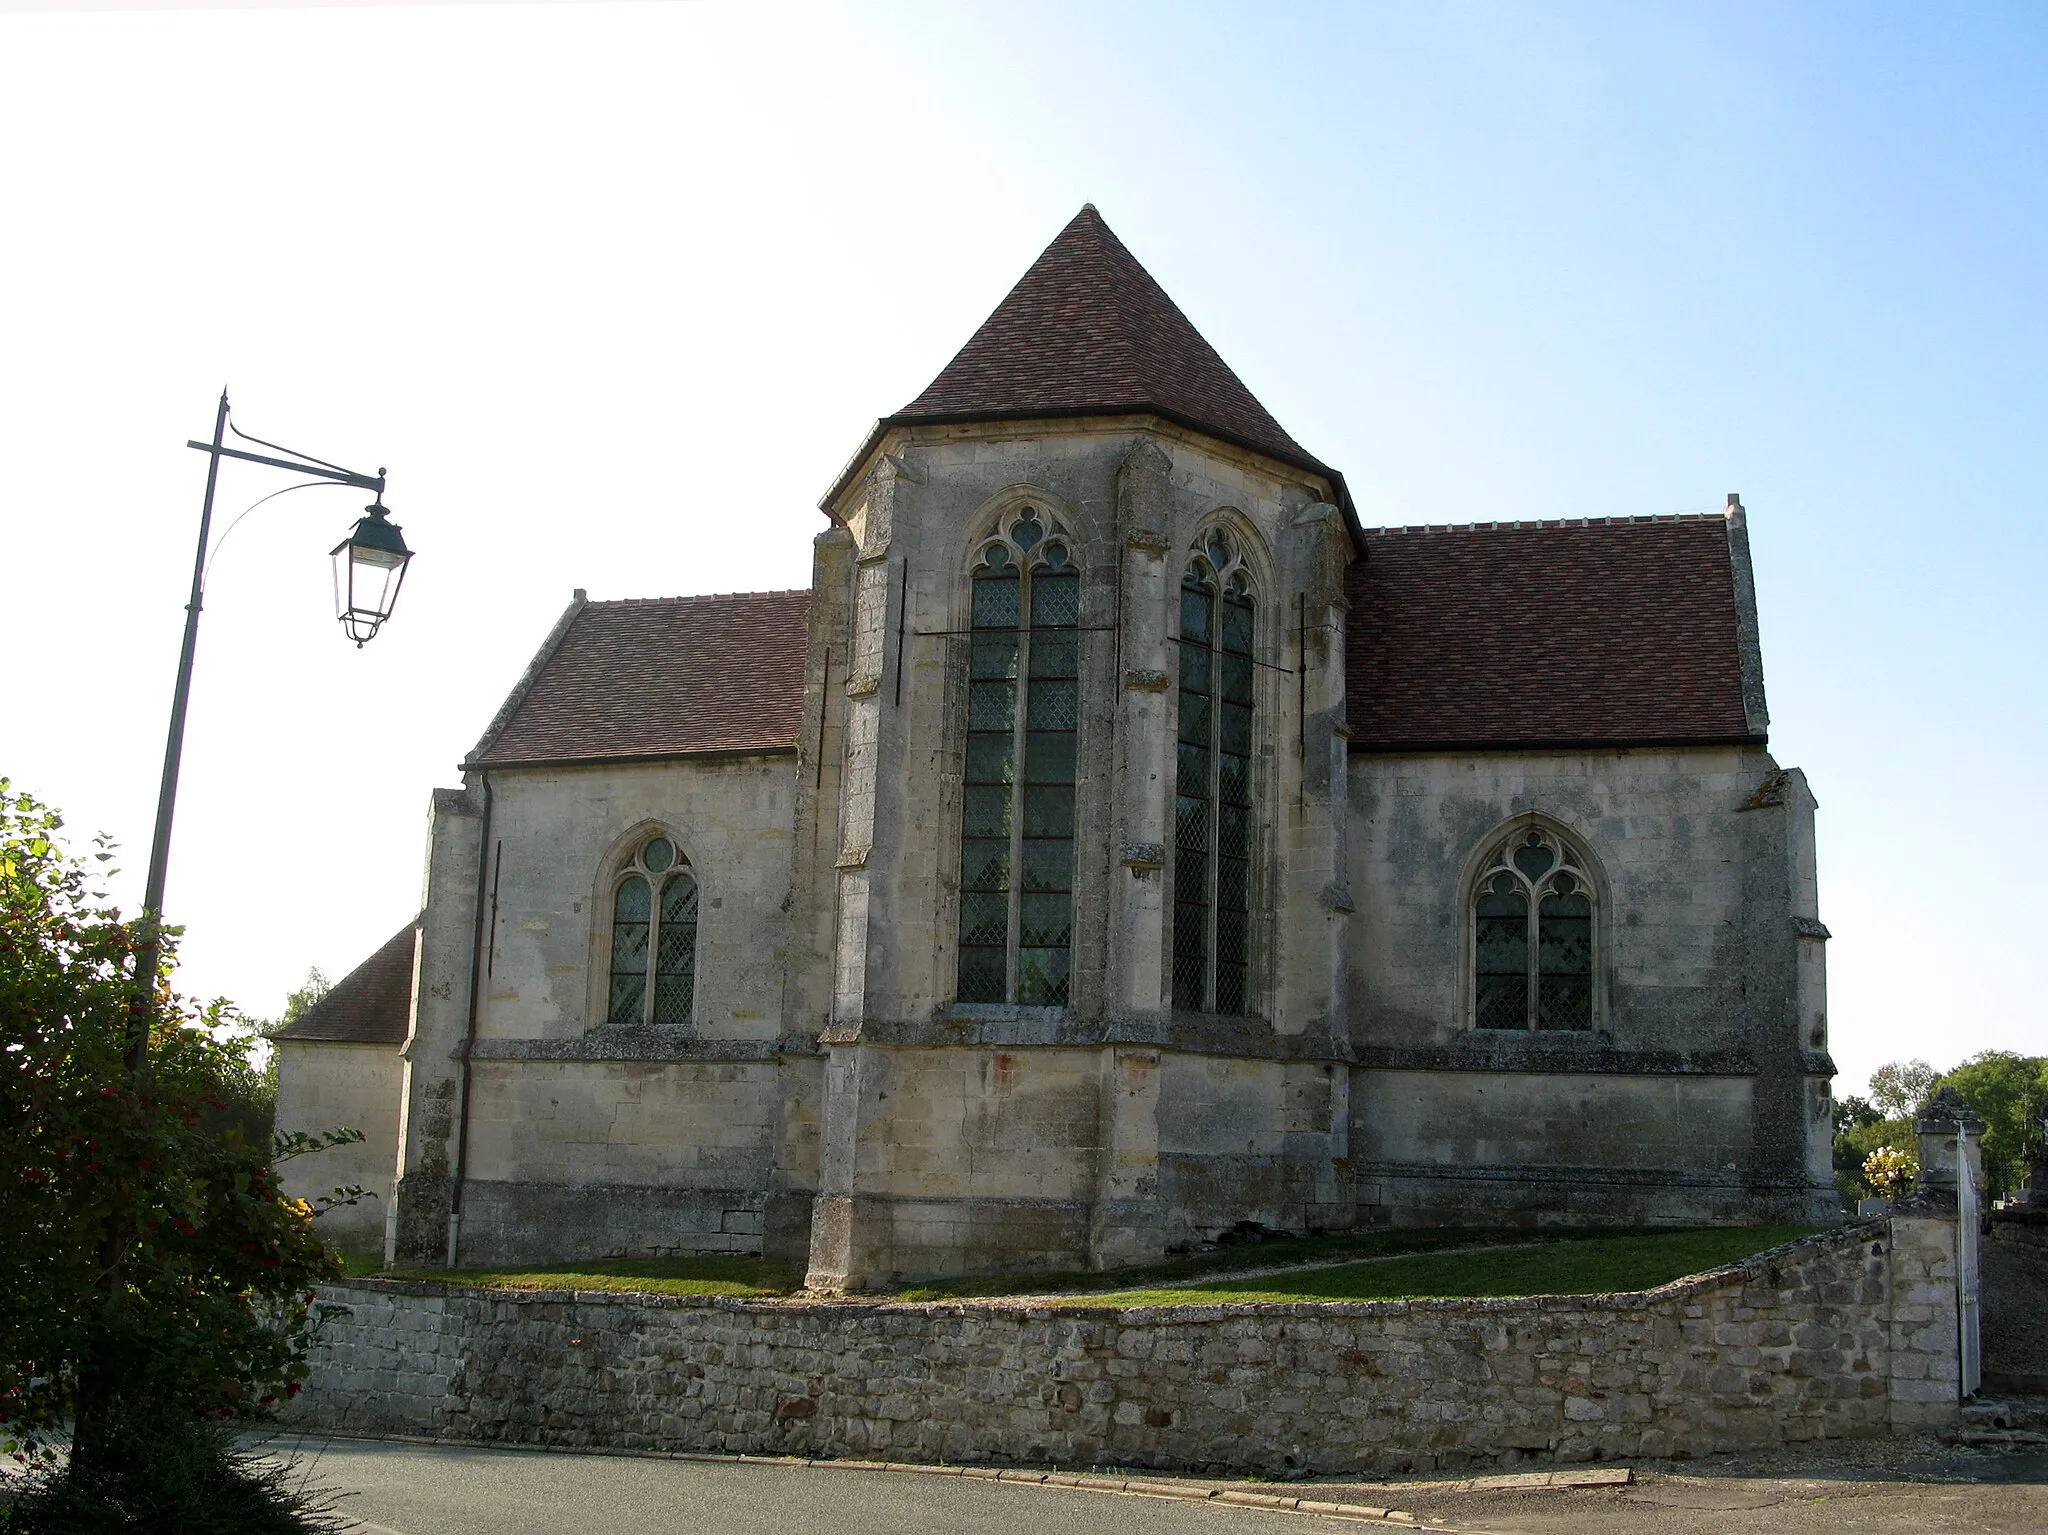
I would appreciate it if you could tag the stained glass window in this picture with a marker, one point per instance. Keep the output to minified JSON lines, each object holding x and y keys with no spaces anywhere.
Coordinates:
{"x":1017,"y":819}
{"x":1212,"y":800}
{"x":654,"y":939}
{"x":1532,"y":937}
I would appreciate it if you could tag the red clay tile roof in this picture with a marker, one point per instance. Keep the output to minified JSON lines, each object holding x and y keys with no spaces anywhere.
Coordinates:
{"x":1088,"y":332}
{"x":660,"y":677}
{"x":1087,"y":329}
{"x":1595,"y":632}
{"x":371,"y":1005}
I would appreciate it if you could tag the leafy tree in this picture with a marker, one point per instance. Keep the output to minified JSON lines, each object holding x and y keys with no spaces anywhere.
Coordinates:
{"x":2011,"y":1092}
{"x":153,"y":1279}
{"x":1898,"y":1088}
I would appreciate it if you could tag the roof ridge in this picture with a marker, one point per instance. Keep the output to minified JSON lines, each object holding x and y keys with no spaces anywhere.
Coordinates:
{"x":620,"y":602}
{"x":1546,"y":522}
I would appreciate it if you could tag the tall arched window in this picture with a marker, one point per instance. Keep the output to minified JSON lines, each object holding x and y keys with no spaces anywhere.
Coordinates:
{"x":1017,"y":833}
{"x":1212,"y":784}
{"x":1532,"y":936}
{"x":654,"y":938}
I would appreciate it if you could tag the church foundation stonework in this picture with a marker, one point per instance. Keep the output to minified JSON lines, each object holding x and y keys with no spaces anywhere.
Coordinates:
{"x":1117,"y":845}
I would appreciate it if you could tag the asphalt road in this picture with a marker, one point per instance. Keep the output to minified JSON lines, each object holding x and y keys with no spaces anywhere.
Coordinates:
{"x":1867,"y":1490}
{"x":437,"y":1490}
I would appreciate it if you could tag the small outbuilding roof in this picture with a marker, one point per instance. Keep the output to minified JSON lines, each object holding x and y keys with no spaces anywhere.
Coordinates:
{"x":1592,"y":632}
{"x":660,"y":677}
{"x":371,"y":1005}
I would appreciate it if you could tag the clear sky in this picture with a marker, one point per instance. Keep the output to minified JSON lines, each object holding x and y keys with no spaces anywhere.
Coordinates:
{"x":614,"y":290}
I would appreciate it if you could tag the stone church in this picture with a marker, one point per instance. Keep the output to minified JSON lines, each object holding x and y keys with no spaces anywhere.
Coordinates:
{"x":1118,"y":845}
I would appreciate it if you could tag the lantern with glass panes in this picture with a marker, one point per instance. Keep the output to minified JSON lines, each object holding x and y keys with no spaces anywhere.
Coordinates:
{"x":369,"y":568}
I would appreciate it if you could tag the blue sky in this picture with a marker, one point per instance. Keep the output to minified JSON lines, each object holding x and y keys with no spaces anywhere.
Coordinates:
{"x":614,"y":290}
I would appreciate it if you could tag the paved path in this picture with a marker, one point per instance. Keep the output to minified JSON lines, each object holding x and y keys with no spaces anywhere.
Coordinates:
{"x":1884,"y":1489}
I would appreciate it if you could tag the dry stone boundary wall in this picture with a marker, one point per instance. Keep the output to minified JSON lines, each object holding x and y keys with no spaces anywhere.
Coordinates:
{"x":1852,"y":1333}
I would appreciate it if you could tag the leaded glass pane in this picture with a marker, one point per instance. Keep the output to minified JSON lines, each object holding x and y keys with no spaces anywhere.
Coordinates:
{"x":1502,"y":1002}
{"x":1055,"y":599}
{"x":995,"y":655}
{"x":1194,"y":667}
{"x":995,"y":600}
{"x":1049,"y":756}
{"x":989,"y":755}
{"x":1027,"y":531}
{"x":985,"y":863}
{"x":632,"y":907}
{"x":1194,"y":718}
{"x":1230,"y":980}
{"x":984,"y":922}
{"x":658,"y":854}
{"x":1048,"y":811}
{"x":1234,"y":780}
{"x":1190,"y":954}
{"x":1042,"y":976}
{"x":1054,"y":655}
{"x":1237,"y":678}
{"x":1236,"y":735}
{"x":1533,"y":858}
{"x":1191,"y":884}
{"x":1234,"y":831}
{"x":1237,"y":626}
{"x":1055,"y":705}
{"x":1191,"y":826}
{"x":675,"y":965}
{"x":987,"y":813}
{"x":1233,"y":884}
{"x":991,"y":705}
{"x":1564,"y":959}
{"x":1501,"y":956}
{"x":1196,"y":605}
{"x":982,"y":973}
{"x":1048,"y":863}
{"x":1044,"y":919}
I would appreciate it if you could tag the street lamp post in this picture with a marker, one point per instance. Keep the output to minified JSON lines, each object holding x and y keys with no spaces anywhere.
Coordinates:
{"x":369,"y":568}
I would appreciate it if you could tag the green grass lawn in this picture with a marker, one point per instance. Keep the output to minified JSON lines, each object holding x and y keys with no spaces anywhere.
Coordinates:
{"x":1595,"y":1263}
{"x":695,"y":1274}
{"x":1377,"y":1265}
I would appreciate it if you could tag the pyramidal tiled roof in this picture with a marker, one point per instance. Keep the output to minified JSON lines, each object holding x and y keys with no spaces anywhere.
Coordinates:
{"x":1088,"y":330}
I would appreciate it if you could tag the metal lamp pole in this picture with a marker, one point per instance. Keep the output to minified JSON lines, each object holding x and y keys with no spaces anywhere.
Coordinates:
{"x":375,"y":543}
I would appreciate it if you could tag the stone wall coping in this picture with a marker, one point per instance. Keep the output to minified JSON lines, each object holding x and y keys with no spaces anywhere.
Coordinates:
{"x":1035,"y":1307}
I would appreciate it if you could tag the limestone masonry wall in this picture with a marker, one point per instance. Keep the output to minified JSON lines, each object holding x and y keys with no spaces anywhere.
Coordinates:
{"x":1837,"y":1336}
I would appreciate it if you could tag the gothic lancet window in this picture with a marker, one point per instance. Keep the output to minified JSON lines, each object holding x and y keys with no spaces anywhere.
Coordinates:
{"x":1017,"y":833}
{"x":654,"y":938}
{"x":1532,"y":936}
{"x":1212,"y":804}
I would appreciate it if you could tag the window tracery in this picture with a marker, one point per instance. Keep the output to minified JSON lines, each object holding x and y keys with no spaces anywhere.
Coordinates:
{"x":1017,"y":832}
{"x":654,"y":938}
{"x":1212,"y":808}
{"x":1532,"y":936}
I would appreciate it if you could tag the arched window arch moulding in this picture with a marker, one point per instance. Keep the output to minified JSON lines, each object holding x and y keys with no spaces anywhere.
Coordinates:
{"x":1018,"y":785}
{"x":646,"y":959}
{"x":1536,"y":921}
